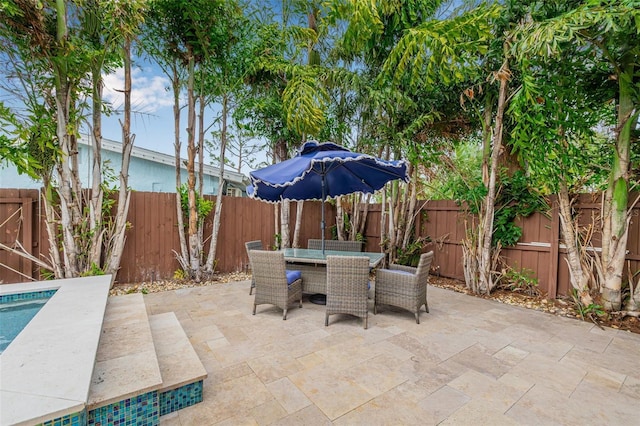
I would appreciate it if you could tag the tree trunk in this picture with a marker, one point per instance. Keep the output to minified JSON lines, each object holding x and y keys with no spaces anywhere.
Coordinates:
{"x":616,"y":222}
{"x":51,"y":225}
{"x":194,"y":244}
{"x":411,"y":212}
{"x":183,"y":258}
{"x":201,"y":145}
{"x":280,"y":154}
{"x":296,"y":230}
{"x":284,"y":224}
{"x":95,"y":206}
{"x":363,"y":216}
{"x":356,"y":214}
{"x":339,"y":219}
{"x":210,"y":265}
{"x":578,"y":275}
{"x":471,"y":256}
{"x":117,"y":240}
{"x":486,"y":138}
{"x":383,"y":223}
{"x":392,"y":233}
{"x":62,"y":103}
{"x":486,"y":231}
{"x":200,"y":179}
{"x":401,"y":214}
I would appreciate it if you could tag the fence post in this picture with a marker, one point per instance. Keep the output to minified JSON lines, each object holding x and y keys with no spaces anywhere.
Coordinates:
{"x":554,"y":252}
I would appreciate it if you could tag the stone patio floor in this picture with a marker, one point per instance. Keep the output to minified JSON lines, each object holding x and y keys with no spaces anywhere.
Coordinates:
{"x":469,"y":361}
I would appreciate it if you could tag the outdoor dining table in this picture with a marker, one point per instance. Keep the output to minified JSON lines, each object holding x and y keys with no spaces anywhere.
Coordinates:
{"x":313,"y":266}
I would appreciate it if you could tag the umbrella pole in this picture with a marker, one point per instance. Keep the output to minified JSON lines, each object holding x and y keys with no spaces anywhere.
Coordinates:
{"x":322,"y":224}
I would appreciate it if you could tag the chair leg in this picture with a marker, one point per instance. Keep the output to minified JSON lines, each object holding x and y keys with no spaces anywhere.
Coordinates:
{"x":284,"y":315}
{"x":426,"y":307}
{"x":375,"y":309}
{"x":326,"y":320}
{"x":254,"y":309}
{"x":417,"y":316}
{"x":366,"y":320}
{"x":301,"y":301}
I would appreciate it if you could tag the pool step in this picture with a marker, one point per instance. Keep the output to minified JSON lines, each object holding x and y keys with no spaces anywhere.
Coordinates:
{"x":126,"y":363}
{"x":145,"y":368}
{"x":181,"y":369}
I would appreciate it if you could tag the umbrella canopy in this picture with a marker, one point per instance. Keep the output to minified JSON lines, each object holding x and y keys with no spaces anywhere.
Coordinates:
{"x":321,"y":171}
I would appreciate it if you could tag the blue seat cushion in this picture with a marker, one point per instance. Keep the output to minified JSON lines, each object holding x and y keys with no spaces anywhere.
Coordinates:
{"x":293,"y":276}
{"x":369,"y":285}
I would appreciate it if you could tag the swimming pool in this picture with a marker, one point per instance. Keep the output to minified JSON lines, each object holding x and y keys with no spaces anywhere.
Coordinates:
{"x":47,"y":369}
{"x":16,"y":311}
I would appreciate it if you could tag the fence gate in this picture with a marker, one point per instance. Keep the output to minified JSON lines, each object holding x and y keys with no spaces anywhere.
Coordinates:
{"x":16,"y":227}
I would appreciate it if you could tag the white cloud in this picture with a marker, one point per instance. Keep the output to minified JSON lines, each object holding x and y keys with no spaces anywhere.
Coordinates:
{"x":148,"y":91}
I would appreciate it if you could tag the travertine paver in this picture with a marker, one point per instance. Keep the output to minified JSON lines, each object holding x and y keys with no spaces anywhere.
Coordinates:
{"x":124,"y":367}
{"x":469,"y":361}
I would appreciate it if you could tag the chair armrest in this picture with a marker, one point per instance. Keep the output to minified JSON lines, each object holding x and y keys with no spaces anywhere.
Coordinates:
{"x":394,"y":278}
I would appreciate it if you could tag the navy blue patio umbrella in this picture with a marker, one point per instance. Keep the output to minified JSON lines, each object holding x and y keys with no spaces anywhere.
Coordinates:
{"x":321,"y":171}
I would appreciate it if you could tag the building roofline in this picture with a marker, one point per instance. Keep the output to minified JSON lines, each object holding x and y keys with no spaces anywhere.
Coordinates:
{"x":161,"y":158}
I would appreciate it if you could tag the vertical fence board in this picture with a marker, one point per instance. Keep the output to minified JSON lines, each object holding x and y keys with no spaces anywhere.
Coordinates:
{"x":553,"y":258}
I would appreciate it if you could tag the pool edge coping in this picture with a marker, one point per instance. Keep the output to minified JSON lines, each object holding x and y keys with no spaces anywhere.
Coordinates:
{"x":58,"y":371}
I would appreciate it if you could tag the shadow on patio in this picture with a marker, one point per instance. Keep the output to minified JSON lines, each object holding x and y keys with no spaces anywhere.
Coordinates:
{"x":470,"y":361}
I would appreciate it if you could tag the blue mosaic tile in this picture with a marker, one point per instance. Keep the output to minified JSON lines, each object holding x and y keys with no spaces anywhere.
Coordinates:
{"x":75,"y":419}
{"x":141,"y":410}
{"x":44,"y":294}
{"x":179,"y":398}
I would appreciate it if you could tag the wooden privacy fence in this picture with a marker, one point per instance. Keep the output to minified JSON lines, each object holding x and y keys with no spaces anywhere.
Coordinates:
{"x":539,"y":250}
{"x":153,"y":236}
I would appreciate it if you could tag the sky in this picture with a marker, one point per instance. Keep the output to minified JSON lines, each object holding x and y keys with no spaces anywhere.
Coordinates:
{"x":152,"y":100}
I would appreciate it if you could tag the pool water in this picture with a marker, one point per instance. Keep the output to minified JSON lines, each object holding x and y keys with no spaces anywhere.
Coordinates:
{"x":15,"y":315}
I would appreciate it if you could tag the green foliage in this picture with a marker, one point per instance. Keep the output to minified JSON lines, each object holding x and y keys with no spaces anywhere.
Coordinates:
{"x":277,"y":242}
{"x":456,"y":172}
{"x":203,"y":206}
{"x":471,"y":195}
{"x":14,"y":144}
{"x":505,"y":231}
{"x":333,"y":229}
{"x":93,"y":271}
{"x":523,"y":281}
{"x":587,"y":311}
{"x":558,"y":106}
{"x":180,"y":275}
{"x":516,"y":198}
{"x":410,"y":256}
{"x":305,"y":101}
{"x":443,"y":50}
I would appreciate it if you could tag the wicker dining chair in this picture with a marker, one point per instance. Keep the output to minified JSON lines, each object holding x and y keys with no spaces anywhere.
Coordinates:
{"x":274,"y":284}
{"x":347,"y":286}
{"x":335,"y":245}
{"x":404,"y":286}
{"x":253,"y":245}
